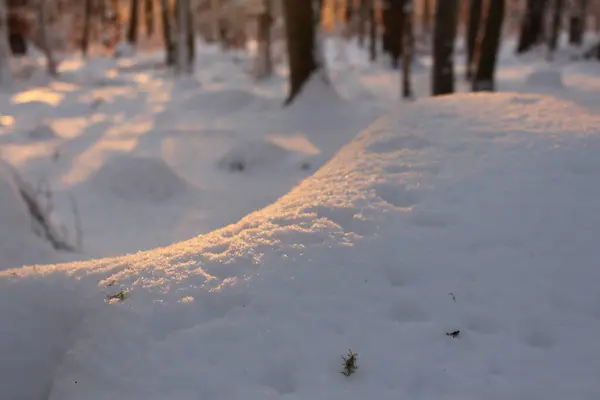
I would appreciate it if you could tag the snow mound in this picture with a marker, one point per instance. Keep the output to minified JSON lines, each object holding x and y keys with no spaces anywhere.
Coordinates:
{"x":546,"y":77}
{"x":469,"y":214}
{"x":42,"y":132}
{"x":138,"y":178}
{"x":258,"y":155}
{"x":219,"y":103}
{"x":19,"y":243}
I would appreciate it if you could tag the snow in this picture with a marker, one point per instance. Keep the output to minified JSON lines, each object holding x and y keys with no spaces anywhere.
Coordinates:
{"x":474,"y":213}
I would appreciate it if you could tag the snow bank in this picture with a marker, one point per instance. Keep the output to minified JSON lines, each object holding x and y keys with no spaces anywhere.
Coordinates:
{"x":473,"y":213}
{"x":138,"y":178}
{"x":19,"y":244}
{"x":548,"y":78}
{"x":259,"y":155}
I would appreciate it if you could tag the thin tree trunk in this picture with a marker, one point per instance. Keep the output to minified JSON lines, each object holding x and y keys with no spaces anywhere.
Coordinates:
{"x":488,"y":48}
{"x":5,"y":69}
{"x":132,"y":32}
{"x":363,"y":12}
{"x":385,"y":19}
{"x":372,"y":31}
{"x":475,"y":8}
{"x":149,"y":14}
{"x":168,"y":32}
{"x":577,"y":22}
{"x":215,"y":18}
{"x":407,"y":48}
{"x":557,"y":13}
{"x":446,"y":20}
{"x":191,"y":37}
{"x":532,"y":27}
{"x":182,"y":32}
{"x":264,"y":67}
{"x":43,"y":39}
{"x":87,"y":16}
{"x":301,"y":38}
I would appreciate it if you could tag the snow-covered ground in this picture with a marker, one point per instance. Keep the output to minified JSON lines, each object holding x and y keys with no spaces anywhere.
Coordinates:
{"x":475,"y":213}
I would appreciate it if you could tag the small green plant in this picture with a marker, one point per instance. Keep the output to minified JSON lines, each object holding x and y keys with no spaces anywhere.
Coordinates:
{"x":350,"y":366}
{"x":120,"y":296}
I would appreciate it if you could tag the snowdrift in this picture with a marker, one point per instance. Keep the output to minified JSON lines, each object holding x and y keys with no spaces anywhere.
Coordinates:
{"x":140,"y":178}
{"x":19,"y":242}
{"x":475,"y":214}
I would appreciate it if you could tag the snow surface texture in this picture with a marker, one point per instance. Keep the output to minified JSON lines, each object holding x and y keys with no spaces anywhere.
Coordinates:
{"x":475,"y":213}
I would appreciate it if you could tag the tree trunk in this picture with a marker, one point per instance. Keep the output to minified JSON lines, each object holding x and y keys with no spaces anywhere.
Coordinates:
{"x":363,"y":12}
{"x":475,"y":8}
{"x":42,"y":39}
{"x":385,"y":19}
{"x":407,"y":48}
{"x":182,"y":34}
{"x":264,"y":67}
{"x":532,"y":25}
{"x":395,"y":29}
{"x":5,"y":70}
{"x":557,"y":13}
{"x":191,"y":37}
{"x":87,"y":16}
{"x":133,"y":22}
{"x":488,"y":48}
{"x":446,"y":20}
{"x":577,"y":22}
{"x":372,"y":31}
{"x":168,"y":32}
{"x":301,"y":38}
{"x":149,"y":14}
{"x":426,"y":19}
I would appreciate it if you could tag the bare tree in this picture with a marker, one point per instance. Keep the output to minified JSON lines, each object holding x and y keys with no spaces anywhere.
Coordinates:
{"x":149,"y":14}
{"x":87,"y":17}
{"x":168,"y":32}
{"x":182,"y":64}
{"x":301,"y":43}
{"x":577,"y":22}
{"x":5,"y":70}
{"x":557,"y":14}
{"x":191,"y":37}
{"x":487,"y":52}
{"x":132,"y":31}
{"x":264,"y":61}
{"x":475,"y":8}
{"x":532,"y":26}
{"x":42,"y":37}
{"x":395,"y":29}
{"x":363,"y":14}
{"x":446,"y":20}
{"x":372,"y":31}
{"x":407,"y":48}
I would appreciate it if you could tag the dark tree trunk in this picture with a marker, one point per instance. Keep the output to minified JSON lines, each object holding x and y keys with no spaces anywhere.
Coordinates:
{"x":149,"y":14}
{"x":372,"y":31}
{"x":363,"y":11}
{"x":167,"y":32}
{"x":265,"y":21}
{"x":301,"y":38}
{"x":557,"y":13}
{"x":385,"y":19}
{"x":349,"y":12}
{"x":395,"y":28}
{"x":87,"y":16}
{"x":446,"y":20}
{"x":488,"y":48}
{"x":133,"y":21}
{"x":407,"y":50}
{"x":190,"y":37}
{"x":475,"y":8}
{"x":577,"y":23}
{"x":532,"y":27}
